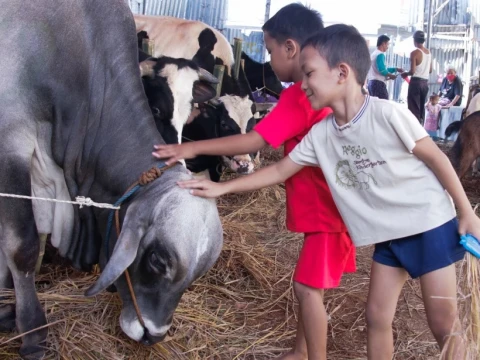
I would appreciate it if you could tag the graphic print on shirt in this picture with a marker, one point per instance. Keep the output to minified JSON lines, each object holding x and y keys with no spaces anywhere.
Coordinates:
{"x":353,"y":175}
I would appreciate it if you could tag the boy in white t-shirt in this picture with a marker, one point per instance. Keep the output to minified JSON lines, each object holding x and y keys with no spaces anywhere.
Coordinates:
{"x":389,"y":181}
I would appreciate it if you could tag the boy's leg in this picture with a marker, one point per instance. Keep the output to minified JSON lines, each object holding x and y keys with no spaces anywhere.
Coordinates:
{"x":323,"y":260}
{"x":311,"y":339}
{"x":300,"y":349}
{"x":439,"y":291}
{"x":386,"y":282}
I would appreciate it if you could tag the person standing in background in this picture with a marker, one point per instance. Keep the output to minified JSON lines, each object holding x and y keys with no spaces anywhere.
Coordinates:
{"x":420,"y":69}
{"x":379,"y":72}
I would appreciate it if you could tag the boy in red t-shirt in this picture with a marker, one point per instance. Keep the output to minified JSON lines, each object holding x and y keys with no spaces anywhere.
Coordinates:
{"x":327,"y":251}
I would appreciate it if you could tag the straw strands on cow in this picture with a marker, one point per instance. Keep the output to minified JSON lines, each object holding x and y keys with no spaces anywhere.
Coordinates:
{"x":243,"y":308}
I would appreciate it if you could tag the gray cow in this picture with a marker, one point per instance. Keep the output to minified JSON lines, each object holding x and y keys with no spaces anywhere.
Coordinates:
{"x":75,"y":122}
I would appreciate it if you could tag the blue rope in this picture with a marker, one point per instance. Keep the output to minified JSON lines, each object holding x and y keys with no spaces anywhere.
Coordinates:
{"x":112,"y":212}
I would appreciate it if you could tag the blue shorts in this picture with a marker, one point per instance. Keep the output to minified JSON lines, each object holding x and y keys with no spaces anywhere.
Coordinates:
{"x":423,"y":253}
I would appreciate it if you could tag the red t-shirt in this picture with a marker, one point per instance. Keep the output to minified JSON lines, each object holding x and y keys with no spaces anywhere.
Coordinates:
{"x":310,"y":206}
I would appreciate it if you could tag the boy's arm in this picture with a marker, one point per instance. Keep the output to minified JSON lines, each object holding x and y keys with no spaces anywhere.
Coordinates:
{"x":230,"y":145}
{"x":426,"y":150}
{"x":267,"y":176}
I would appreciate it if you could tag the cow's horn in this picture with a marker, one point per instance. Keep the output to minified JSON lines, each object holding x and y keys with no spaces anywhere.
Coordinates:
{"x":146,"y":68}
{"x":206,"y":76}
{"x":122,"y":257}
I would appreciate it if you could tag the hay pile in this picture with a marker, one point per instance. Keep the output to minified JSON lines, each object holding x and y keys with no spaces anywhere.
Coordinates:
{"x":243,"y":308}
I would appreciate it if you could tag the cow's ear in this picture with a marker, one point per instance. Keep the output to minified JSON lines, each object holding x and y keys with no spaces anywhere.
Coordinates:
{"x":122,"y":257}
{"x":203,"y":91}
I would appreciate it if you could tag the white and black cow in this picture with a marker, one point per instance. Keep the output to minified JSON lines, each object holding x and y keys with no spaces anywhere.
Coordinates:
{"x":75,"y":121}
{"x":207,"y":47}
{"x":172,"y":86}
{"x":214,"y":121}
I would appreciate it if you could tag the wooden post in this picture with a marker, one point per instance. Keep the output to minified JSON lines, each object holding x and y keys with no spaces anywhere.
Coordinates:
{"x":148,"y":46}
{"x":237,"y":53}
{"x":218,"y":72}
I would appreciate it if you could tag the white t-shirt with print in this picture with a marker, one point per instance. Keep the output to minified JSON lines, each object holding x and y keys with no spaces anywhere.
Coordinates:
{"x":381,"y":189}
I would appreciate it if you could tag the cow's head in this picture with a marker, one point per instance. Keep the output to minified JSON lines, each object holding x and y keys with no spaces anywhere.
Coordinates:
{"x":169,"y":238}
{"x":172,"y":86}
{"x":232,"y":115}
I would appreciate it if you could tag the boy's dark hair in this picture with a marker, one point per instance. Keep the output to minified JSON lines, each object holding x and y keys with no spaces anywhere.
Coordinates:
{"x":382,"y":39}
{"x":419,"y":36}
{"x":294,"y":21}
{"x":342,"y":43}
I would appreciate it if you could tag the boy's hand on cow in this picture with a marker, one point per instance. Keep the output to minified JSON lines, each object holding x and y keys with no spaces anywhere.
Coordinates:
{"x":469,"y":223}
{"x":175,"y":152}
{"x":204,"y":188}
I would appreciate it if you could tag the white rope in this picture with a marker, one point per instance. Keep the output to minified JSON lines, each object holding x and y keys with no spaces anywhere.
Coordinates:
{"x":80,"y":200}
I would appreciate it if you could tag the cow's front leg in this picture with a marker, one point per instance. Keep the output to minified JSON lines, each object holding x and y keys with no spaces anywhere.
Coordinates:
{"x":19,"y":244}
{"x":22,"y":252}
{"x":7,"y":311}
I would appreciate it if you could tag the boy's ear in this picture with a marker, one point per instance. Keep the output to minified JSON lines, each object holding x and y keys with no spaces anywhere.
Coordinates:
{"x":344,"y":72}
{"x":292,"y":48}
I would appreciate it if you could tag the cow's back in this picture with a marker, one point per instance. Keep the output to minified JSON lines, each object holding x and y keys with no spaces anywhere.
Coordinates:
{"x":178,"y":38}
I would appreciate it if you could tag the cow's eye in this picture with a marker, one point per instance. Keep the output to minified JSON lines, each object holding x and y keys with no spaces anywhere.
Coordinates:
{"x":157,"y":264}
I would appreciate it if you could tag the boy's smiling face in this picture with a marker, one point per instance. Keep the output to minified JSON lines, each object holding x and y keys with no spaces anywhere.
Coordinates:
{"x":320,"y":83}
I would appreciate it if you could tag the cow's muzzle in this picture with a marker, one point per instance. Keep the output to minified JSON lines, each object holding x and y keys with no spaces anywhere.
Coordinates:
{"x":149,"y":339}
{"x":241,"y":164}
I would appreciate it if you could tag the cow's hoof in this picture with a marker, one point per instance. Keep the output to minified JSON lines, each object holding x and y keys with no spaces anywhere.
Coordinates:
{"x":32,"y":352}
{"x":7,"y":318}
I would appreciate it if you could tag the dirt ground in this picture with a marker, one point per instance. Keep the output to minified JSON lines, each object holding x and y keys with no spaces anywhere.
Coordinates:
{"x":243,"y":308}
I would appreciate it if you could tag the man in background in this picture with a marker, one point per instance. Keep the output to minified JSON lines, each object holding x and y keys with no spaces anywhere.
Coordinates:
{"x":379,"y":73}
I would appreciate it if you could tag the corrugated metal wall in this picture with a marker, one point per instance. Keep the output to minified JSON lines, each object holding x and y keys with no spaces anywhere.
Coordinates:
{"x":176,"y":8}
{"x":252,"y":41}
{"x":211,"y":12}
{"x":454,"y":13}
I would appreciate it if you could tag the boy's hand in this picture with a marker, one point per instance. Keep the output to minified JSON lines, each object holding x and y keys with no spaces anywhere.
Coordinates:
{"x":204,"y":188}
{"x":174,"y":153}
{"x":469,"y":223}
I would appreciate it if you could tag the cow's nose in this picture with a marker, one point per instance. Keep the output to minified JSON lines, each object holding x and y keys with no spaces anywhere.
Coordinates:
{"x":150,"y":339}
{"x":243,"y":169}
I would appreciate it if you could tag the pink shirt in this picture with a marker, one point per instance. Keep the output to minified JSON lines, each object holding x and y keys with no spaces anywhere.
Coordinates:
{"x":431,"y":117}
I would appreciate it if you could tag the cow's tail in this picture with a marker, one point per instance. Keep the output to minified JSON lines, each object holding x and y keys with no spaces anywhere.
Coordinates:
{"x":453,"y":127}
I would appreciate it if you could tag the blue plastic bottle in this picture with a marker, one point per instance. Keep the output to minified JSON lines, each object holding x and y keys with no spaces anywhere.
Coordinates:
{"x":471,"y":244}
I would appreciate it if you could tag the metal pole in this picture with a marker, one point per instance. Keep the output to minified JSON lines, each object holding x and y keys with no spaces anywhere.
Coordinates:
{"x":267,"y":16}
{"x":430,"y":23}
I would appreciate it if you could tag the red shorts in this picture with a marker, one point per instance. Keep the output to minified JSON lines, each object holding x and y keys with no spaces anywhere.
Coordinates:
{"x":324,"y":258}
